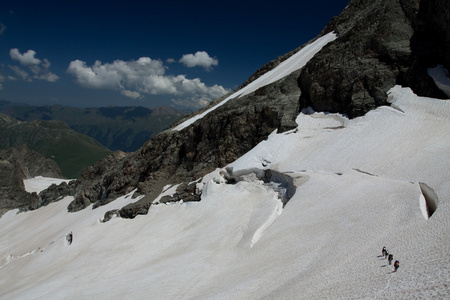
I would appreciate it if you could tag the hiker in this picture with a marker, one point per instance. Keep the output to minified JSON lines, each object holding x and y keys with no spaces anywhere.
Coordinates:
{"x":383,"y":252}
{"x":396,"y":265}
{"x":390,"y":258}
{"x":69,"y":238}
{"x":386,"y":253}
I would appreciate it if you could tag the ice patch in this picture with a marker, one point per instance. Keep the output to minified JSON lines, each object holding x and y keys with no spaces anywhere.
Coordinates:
{"x":39,"y":183}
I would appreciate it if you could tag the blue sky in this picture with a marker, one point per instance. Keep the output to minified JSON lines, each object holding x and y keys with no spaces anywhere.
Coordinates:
{"x":149,"y":53}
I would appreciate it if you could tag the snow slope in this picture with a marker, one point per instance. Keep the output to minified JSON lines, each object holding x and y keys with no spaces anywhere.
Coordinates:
{"x":357,"y":190}
{"x":40,"y":183}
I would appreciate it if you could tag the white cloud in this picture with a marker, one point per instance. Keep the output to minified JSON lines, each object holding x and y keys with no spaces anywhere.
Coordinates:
{"x":1,"y":87}
{"x":39,"y":68}
{"x":97,"y":76}
{"x":47,"y":76}
{"x":170,"y":60}
{"x":19,"y":72}
{"x":2,"y":29}
{"x":116,"y":75}
{"x":26,"y":59}
{"x":199,"y":59}
{"x":131,"y":94}
{"x":134,"y":79}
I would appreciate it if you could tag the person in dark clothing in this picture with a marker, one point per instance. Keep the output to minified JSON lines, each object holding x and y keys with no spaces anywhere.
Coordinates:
{"x":386,"y":254}
{"x":383,"y":252}
{"x":396,"y":265}
{"x":390,"y":258}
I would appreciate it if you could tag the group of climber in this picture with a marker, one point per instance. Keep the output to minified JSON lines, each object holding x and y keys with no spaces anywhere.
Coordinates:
{"x":390,"y":257}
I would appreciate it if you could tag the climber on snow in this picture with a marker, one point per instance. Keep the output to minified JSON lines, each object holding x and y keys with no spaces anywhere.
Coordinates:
{"x":390,"y":258}
{"x":396,"y":265}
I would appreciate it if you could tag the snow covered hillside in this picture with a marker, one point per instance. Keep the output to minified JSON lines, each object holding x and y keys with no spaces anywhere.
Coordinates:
{"x":240,"y":243}
{"x":302,"y":215}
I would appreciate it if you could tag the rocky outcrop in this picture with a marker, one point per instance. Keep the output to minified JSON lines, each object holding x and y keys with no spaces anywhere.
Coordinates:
{"x":17,"y":164}
{"x":57,"y":192}
{"x":380,"y":44}
{"x":130,"y":211}
{"x":100,"y":182}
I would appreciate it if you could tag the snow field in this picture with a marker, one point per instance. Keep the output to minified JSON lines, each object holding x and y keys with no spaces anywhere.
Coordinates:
{"x":40,"y":183}
{"x":357,"y":191}
{"x":165,"y":244}
{"x":400,"y":147}
{"x":410,"y":145}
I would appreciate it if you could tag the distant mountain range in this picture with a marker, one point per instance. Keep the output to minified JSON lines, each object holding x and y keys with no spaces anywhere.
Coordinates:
{"x":72,"y":151}
{"x":117,"y":128}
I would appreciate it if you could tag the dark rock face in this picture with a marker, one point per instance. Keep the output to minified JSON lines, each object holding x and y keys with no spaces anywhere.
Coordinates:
{"x":110,"y":214}
{"x":434,"y":26}
{"x":17,"y":164}
{"x":57,"y":192}
{"x":97,"y":183}
{"x":430,"y":46}
{"x":130,"y":211}
{"x":380,"y":44}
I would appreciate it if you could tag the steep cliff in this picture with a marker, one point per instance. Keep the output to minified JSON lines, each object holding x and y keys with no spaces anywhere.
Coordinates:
{"x":380,"y":44}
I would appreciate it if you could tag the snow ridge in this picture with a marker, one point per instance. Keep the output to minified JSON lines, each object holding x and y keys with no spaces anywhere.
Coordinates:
{"x":295,"y":62}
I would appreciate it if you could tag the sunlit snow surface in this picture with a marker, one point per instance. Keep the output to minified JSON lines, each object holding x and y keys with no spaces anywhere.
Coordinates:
{"x":357,"y":192}
{"x":40,"y":183}
{"x":293,"y":63}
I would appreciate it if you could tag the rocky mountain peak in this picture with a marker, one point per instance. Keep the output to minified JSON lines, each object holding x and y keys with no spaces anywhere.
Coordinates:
{"x":380,"y":44}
